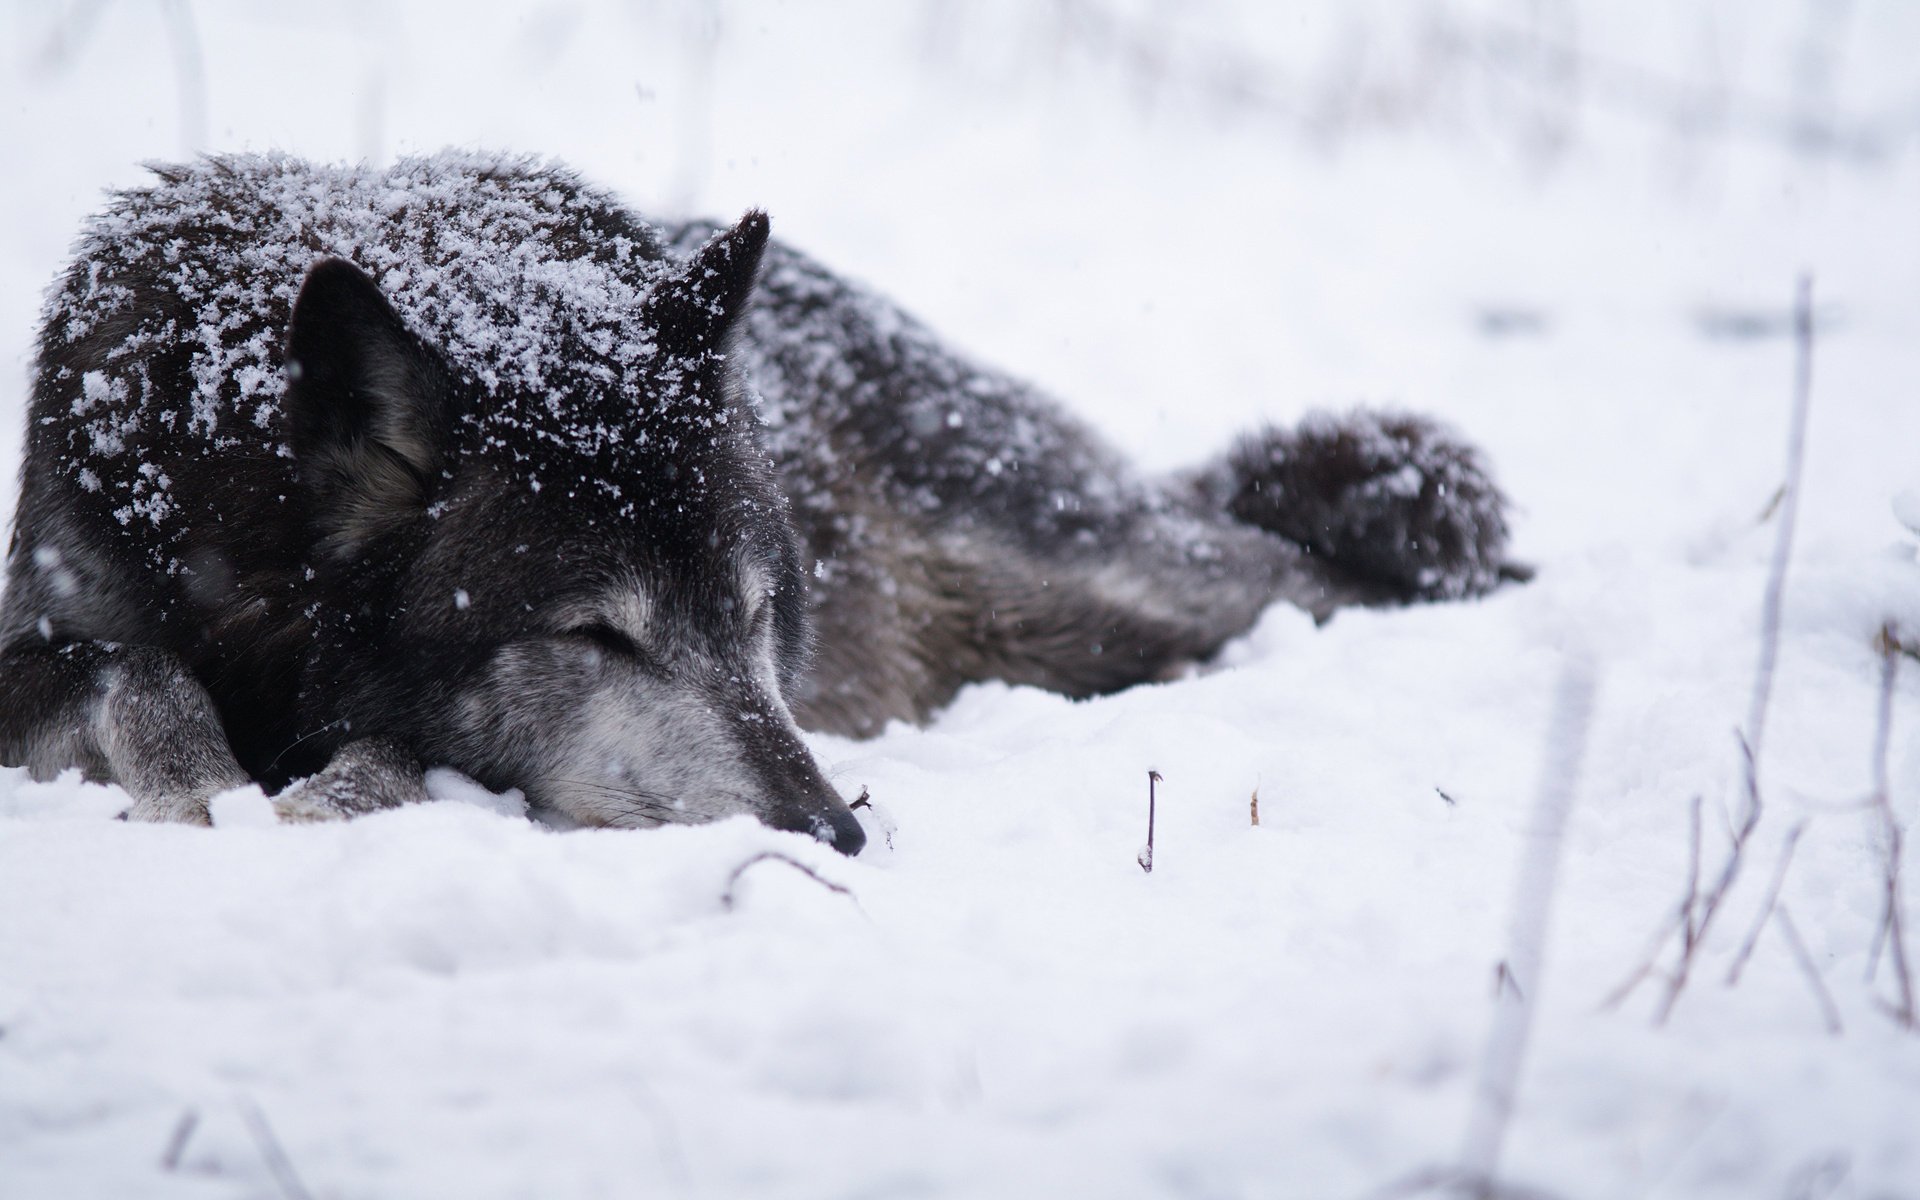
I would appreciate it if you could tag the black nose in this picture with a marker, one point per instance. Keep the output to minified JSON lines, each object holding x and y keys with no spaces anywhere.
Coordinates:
{"x":833,"y":823}
{"x":848,"y":838}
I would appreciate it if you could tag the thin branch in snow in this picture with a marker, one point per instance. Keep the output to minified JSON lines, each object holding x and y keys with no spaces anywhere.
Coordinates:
{"x":1827,"y":1011}
{"x":1689,"y":932}
{"x":727,"y":899}
{"x":177,"y":1143}
{"x":1893,"y":932}
{"x":1705,"y":908}
{"x":1145,"y":858}
{"x":1699,"y":910}
{"x":1532,"y":905}
{"x":1766,"y":907}
{"x":1675,"y":917}
{"x":1253,"y":806}
{"x":1783,"y":538}
{"x":272,"y":1153}
{"x":1879,"y":944}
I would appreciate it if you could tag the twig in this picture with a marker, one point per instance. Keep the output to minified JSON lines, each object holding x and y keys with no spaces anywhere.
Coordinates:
{"x":1253,"y":806}
{"x":1145,"y":858}
{"x":177,"y":1144}
{"x":1702,"y":910}
{"x":1878,"y":944}
{"x":1893,"y":923}
{"x":726,"y":897}
{"x":272,"y":1153}
{"x":1766,"y":908}
{"x":1689,"y":932}
{"x":1532,"y":905}
{"x":1800,"y":955}
{"x":1681,"y":917}
{"x":1789,"y":517}
{"x":1675,"y":916}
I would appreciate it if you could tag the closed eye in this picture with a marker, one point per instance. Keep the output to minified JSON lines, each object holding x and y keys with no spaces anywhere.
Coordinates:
{"x":605,"y":637}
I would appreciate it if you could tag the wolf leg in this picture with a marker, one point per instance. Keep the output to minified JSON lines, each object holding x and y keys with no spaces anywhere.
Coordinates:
{"x":131,"y":715}
{"x":1392,"y":499}
{"x":365,"y":775}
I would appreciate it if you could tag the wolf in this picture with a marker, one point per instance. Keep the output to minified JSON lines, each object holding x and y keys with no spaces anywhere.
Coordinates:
{"x":337,"y":473}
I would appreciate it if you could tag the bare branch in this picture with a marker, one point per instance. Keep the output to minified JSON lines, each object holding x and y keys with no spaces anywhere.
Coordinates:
{"x":1689,"y":931}
{"x":1892,"y":932}
{"x":1675,"y":917}
{"x":1700,"y":911}
{"x":177,"y":1143}
{"x":1827,"y":1011}
{"x":1145,"y":857}
{"x":1766,"y":908}
{"x":272,"y":1153}
{"x":727,"y":899}
{"x":1789,"y":518}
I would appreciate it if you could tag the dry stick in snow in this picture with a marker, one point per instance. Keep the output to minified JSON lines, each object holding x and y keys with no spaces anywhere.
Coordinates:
{"x":1688,"y":931}
{"x":1697,"y":910}
{"x":275,"y":1156}
{"x":1766,"y":908}
{"x":1681,"y":918}
{"x":1750,"y":740}
{"x":1827,"y":1011}
{"x":1533,"y":890}
{"x":177,"y":1144}
{"x":1145,"y":858}
{"x":1892,"y":923}
{"x":733,"y":880}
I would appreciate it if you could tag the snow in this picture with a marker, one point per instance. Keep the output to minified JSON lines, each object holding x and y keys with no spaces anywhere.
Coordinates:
{"x":448,"y":1000}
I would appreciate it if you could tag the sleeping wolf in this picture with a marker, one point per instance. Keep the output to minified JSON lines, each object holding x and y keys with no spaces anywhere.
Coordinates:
{"x":336,"y":473}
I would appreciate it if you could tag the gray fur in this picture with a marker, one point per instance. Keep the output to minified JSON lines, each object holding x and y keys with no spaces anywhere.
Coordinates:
{"x":334,"y":473}
{"x":963,"y":527}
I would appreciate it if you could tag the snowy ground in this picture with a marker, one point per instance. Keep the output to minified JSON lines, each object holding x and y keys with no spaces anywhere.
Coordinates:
{"x":1181,"y":221}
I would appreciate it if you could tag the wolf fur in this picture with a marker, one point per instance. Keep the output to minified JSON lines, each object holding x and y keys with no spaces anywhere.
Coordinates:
{"x":336,"y":473}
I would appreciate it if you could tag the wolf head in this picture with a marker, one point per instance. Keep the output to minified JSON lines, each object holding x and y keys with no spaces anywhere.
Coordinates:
{"x":578,"y":579}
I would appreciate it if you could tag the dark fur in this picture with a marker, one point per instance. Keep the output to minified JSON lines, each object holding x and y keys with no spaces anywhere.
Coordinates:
{"x":337,"y":537}
{"x":963,"y":527}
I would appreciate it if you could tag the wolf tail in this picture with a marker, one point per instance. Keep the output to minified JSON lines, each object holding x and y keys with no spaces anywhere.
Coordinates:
{"x":1393,"y":499}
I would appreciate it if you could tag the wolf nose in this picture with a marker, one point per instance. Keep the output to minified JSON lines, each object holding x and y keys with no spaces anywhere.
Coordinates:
{"x":842,"y":831}
{"x":835,"y":825}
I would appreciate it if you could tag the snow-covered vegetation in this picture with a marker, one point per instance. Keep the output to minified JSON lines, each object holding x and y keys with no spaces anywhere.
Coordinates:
{"x":1573,"y":230}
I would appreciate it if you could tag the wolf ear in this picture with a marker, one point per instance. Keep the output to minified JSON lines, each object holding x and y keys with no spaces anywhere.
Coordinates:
{"x":696,"y":308}
{"x":366,"y":406}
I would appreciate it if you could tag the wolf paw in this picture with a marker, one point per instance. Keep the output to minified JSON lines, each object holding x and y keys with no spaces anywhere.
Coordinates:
{"x":1389,"y":496}
{"x":365,"y":776}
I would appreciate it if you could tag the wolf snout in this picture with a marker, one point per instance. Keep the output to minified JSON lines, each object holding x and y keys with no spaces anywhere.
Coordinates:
{"x":831,"y":822}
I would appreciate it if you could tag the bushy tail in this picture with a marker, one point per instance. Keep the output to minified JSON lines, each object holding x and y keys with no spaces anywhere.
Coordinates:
{"x":1392,"y":498}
